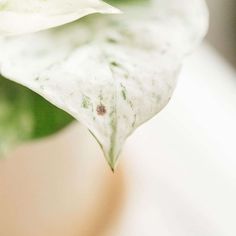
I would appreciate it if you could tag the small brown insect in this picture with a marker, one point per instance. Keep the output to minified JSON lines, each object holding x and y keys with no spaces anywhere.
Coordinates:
{"x":101,"y":110}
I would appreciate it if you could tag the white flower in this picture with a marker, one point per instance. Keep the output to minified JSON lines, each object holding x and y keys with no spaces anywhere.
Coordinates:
{"x":111,"y":73}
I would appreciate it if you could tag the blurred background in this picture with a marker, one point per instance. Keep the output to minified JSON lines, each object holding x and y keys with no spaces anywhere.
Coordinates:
{"x":177,"y":174}
{"x":222,"y":33}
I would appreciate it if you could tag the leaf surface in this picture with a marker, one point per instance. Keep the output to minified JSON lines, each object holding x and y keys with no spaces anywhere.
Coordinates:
{"x":25,"y":16}
{"x":111,"y":73}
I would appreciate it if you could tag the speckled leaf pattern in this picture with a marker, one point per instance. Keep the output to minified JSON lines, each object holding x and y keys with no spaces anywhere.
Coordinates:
{"x":112,"y":73}
{"x":25,"y":16}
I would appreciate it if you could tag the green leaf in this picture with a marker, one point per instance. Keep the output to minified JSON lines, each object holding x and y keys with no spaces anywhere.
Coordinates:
{"x":24,"y":115}
{"x":25,"y":16}
{"x":112,"y":73}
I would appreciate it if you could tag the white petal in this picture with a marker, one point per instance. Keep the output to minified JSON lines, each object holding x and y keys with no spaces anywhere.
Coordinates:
{"x":25,"y":16}
{"x":111,"y":73}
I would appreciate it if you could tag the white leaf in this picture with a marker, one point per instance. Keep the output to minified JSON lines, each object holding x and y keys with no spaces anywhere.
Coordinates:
{"x":25,"y":16}
{"x":112,"y":73}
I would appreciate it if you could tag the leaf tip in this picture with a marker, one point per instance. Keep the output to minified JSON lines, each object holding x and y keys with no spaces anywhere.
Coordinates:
{"x":112,"y":165}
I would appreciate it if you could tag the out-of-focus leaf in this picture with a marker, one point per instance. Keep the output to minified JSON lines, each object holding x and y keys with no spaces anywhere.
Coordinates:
{"x":127,"y":1}
{"x":25,"y":16}
{"x":24,"y":115}
{"x":112,"y":73}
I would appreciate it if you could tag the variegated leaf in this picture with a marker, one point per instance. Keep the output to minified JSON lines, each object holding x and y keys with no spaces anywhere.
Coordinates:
{"x":25,"y":16}
{"x":112,"y":73}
